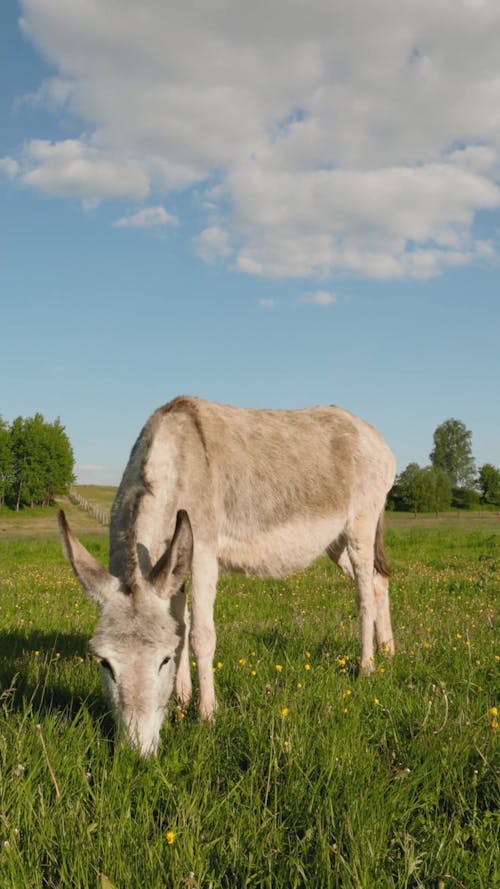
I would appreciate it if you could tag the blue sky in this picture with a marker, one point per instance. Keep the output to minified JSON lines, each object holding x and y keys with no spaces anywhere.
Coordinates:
{"x":279,"y":209}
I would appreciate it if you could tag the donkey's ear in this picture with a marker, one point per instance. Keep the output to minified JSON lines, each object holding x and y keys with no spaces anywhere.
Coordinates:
{"x":97,"y":582}
{"x":174,"y":566}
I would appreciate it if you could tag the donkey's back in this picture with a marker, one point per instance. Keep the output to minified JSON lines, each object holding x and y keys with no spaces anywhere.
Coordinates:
{"x":270,"y":490}
{"x":210,"y":486}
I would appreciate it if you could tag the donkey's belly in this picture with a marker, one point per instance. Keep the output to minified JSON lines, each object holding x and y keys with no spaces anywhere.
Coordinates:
{"x":279,"y":551}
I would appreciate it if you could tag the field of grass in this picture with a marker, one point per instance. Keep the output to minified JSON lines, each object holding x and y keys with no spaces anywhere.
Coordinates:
{"x":310,"y":777}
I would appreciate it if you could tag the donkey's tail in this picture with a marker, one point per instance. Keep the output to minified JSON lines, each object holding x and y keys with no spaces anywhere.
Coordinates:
{"x":380,"y":559}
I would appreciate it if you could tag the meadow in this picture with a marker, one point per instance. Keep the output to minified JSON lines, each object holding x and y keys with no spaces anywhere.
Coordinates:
{"x":310,"y":776}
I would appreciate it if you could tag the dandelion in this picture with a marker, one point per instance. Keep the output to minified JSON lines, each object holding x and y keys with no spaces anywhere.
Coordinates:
{"x":170,"y":837}
{"x":299,"y":684}
{"x":219,"y":665}
{"x":253,"y":672}
{"x":279,"y":668}
{"x":242,"y":661}
{"x":308,"y":654}
{"x":307,"y":666}
{"x":376,"y":702}
{"x":36,"y":653}
{"x":285,"y":711}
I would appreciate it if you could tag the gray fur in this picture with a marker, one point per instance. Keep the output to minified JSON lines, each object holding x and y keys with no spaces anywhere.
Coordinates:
{"x":210,"y":487}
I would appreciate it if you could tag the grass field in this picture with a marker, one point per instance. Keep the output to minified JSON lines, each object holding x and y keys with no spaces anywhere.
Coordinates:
{"x":310,"y":777}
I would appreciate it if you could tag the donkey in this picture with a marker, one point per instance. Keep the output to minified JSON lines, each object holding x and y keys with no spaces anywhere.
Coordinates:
{"x":210,"y":487}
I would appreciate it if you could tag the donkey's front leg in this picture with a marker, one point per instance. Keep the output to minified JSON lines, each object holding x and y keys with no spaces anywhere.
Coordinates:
{"x":183,"y":685}
{"x":203,"y":636}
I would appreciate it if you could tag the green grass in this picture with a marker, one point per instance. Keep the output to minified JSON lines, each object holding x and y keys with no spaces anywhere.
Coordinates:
{"x":308,"y":778}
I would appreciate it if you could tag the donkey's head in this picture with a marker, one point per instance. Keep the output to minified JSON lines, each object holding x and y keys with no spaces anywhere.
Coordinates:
{"x":140,"y":633}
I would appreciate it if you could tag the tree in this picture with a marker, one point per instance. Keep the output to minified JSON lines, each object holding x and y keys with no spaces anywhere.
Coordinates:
{"x":42,"y":462}
{"x":6,"y":463}
{"x":452,"y":452}
{"x":424,"y":490}
{"x":489,"y":483}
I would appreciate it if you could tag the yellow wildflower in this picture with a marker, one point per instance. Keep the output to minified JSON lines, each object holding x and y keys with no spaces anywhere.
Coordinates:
{"x":279,"y":668}
{"x":285,"y":711}
{"x":170,"y":837}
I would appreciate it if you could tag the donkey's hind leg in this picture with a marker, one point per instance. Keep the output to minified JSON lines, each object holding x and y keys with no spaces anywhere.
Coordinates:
{"x":383,"y":625}
{"x":354,"y":567}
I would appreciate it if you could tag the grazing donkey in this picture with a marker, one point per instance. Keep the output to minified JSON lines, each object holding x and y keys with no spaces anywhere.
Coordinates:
{"x":210,"y":487}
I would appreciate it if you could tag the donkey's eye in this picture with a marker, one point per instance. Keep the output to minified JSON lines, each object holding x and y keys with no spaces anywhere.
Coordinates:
{"x":104,"y":663}
{"x":165,"y":661}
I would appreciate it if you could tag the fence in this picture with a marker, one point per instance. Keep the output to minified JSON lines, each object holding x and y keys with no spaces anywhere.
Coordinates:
{"x":102,"y":515}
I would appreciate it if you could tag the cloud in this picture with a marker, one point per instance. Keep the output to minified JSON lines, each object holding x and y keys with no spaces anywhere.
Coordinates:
{"x":149,"y":217}
{"x":267,"y":303}
{"x":323,"y":146}
{"x":212,"y":243}
{"x":73,"y":168}
{"x":319,"y":298}
{"x":9,"y":167}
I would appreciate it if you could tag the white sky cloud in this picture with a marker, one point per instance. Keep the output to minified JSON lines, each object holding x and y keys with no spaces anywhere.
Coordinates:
{"x":349,"y":137}
{"x":9,"y":166}
{"x":149,"y":217}
{"x":72,"y":168}
{"x":319,"y":298}
{"x":212,"y":243}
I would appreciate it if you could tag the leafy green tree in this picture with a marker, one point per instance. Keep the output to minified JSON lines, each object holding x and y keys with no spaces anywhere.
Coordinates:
{"x":58,"y":461}
{"x":425,"y":489}
{"x":411,"y":487}
{"x":42,"y":460}
{"x":489,"y":483}
{"x":438,"y":489}
{"x":6,"y":463}
{"x":452,"y":452}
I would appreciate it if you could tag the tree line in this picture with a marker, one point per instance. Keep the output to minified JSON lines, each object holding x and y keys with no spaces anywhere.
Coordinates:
{"x":36,"y":462}
{"x":451,"y":479}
